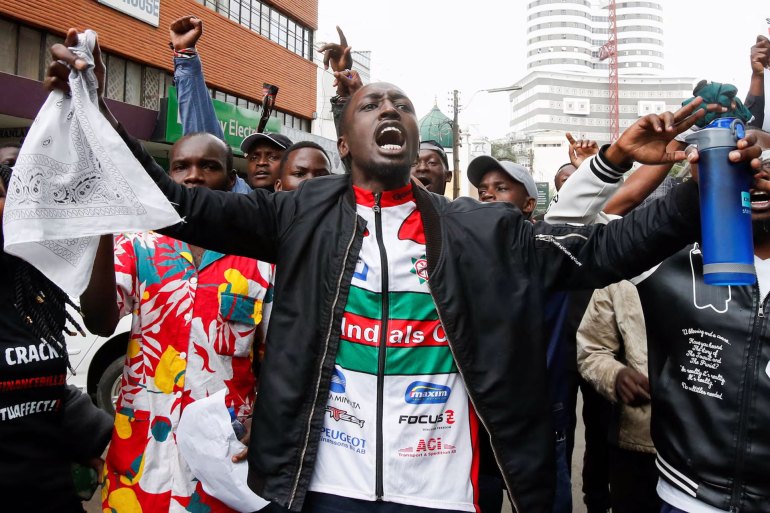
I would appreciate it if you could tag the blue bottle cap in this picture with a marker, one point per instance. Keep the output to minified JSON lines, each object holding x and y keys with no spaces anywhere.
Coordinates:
{"x":721,"y":123}
{"x":735,"y":125}
{"x":722,"y":132}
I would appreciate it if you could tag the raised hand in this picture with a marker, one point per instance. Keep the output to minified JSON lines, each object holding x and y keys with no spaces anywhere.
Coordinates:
{"x":632,"y":387}
{"x":57,"y":75}
{"x":646,"y":140}
{"x":347,"y":82}
{"x":337,"y":55}
{"x":580,"y":150}
{"x":760,"y":55}
{"x":185,"y":32}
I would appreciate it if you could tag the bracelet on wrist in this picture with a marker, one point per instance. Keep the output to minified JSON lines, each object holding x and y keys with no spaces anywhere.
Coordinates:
{"x":183,"y":53}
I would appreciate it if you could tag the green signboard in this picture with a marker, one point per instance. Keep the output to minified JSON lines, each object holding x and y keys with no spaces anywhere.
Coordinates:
{"x":543,"y":196}
{"x":237,"y":123}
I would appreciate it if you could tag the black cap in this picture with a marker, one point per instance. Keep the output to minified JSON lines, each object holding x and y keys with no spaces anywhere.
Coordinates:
{"x":278,"y":140}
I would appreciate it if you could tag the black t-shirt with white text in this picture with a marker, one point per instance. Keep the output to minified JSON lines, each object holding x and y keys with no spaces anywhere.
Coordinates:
{"x":32,"y":393}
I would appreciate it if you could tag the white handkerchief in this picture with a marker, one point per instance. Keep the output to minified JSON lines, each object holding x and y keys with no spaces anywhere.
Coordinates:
{"x":207,"y":443}
{"x":75,"y":179}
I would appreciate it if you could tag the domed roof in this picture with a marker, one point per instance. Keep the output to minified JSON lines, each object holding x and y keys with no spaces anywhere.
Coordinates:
{"x":435,"y":125}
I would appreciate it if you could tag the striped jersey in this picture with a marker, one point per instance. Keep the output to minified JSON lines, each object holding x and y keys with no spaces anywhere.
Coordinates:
{"x":398,"y":425}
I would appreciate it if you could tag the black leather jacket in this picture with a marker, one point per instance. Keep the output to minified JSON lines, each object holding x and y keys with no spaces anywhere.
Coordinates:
{"x":489,"y":271}
{"x":708,"y":361}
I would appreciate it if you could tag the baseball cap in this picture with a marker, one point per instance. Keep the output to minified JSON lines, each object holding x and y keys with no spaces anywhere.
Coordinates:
{"x":435,"y":146}
{"x":279,"y":140}
{"x":480,"y":165}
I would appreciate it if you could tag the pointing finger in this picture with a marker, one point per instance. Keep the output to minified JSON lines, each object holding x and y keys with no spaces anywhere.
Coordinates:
{"x":686,"y":123}
{"x":688,"y":109}
{"x":343,"y":40}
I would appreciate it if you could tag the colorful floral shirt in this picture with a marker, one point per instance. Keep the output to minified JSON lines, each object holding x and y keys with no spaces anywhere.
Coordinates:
{"x":192,"y":335}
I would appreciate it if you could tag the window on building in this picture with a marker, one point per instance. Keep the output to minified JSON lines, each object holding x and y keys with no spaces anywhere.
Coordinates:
{"x":29,"y":51}
{"x":246,"y":10}
{"x":8,"y":46}
{"x":116,"y":78}
{"x":133,"y":94}
{"x":264,"y":27}
{"x":274,"y":26}
{"x":152,"y":84}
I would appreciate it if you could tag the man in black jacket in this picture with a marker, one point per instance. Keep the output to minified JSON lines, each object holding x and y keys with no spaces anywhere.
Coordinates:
{"x":419,"y":315}
{"x":708,"y":362}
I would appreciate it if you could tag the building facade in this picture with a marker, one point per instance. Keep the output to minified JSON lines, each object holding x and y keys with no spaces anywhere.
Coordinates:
{"x":566,"y":88}
{"x":565,"y":35}
{"x":551,"y":104}
{"x":580,"y":103}
{"x":246,"y":43}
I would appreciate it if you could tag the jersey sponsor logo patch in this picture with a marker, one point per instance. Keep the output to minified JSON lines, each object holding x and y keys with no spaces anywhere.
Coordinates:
{"x":422,"y":392}
{"x":344,"y":400}
{"x":342,"y":439}
{"x":363,"y":330}
{"x":342,"y":415}
{"x":435,"y":421}
{"x":362,"y":270}
{"x":420,"y":268}
{"x":338,"y":382}
{"x":427,"y":447}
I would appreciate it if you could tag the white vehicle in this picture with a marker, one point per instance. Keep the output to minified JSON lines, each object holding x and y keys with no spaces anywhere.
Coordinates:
{"x":98,"y":363}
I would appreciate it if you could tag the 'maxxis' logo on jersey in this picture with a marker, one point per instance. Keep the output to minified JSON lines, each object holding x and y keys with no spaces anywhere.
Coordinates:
{"x":427,"y":447}
{"x":342,"y":415}
{"x":422,"y":392}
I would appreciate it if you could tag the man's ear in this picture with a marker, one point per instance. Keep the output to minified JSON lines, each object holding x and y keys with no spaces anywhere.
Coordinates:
{"x":447,"y":176}
{"x":530,"y":205}
{"x":278,"y":186}
{"x":342,"y":147}
{"x":231,"y":178}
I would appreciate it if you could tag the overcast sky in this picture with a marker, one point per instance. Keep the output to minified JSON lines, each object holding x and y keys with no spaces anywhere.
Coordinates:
{"x":429,"y":47}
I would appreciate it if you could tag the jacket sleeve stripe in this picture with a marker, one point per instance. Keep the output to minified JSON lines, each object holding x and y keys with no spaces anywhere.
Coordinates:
{"x":676,"y":477}
{"x":604,"y":170}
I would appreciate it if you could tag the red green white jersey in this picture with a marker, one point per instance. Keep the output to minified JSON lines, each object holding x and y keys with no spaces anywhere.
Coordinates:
{"x":398,"y":426}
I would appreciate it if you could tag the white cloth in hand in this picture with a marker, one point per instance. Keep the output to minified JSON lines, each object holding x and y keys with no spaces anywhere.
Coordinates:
{"x":75,"y":179}
{"x":207,"y":443}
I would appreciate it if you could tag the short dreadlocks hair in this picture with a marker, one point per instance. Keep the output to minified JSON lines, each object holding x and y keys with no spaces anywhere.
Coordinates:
{"x":41,"y":305}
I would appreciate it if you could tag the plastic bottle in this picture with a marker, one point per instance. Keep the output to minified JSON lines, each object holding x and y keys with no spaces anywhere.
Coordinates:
{"x":725,"y":205}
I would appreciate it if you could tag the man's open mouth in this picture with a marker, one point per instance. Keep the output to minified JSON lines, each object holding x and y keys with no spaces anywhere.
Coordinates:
{"x":390,"y":138}
{"x":760,"y":200}
{"x":425,"y":181}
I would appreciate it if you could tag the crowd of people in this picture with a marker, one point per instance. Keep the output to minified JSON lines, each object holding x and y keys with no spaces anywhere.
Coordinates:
{"x":388,"y":350}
